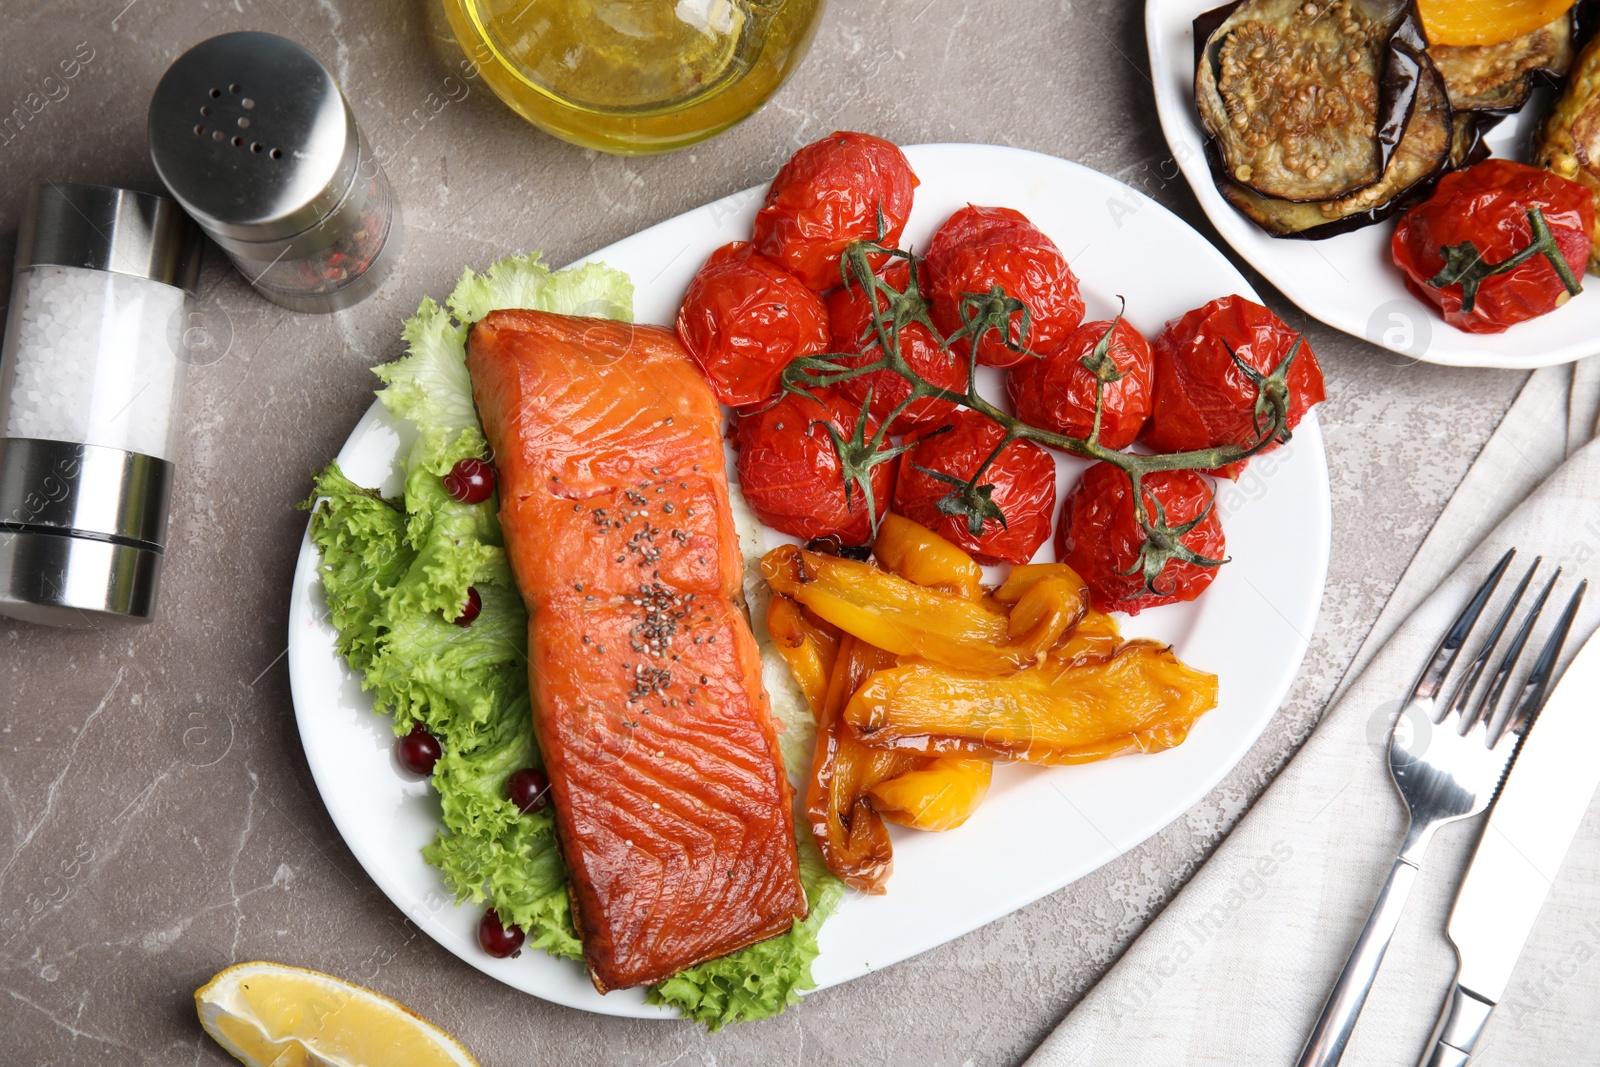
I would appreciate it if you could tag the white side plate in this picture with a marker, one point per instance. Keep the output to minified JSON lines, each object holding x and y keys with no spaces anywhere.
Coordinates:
{"x":1349,"y":281}
{"x":1038,"y":829}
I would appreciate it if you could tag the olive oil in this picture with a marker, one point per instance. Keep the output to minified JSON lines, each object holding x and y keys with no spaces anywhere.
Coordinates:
{"x":634,"y":76}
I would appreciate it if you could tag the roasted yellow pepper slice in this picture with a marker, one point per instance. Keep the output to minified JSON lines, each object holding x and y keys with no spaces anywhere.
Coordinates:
{"x":849,"y":832}
{"x":940,"y":795}
{"x":1095,"y":637}
{"x":809,"y":648}
{"x":906,"y":619}
{"x":1455,"y":22}
{"x":1140,"y":699}
{"x":942,"y":792}
{"x":919,"y":555}
{"x":1096,"y":634}
{"x":1024,"y":576}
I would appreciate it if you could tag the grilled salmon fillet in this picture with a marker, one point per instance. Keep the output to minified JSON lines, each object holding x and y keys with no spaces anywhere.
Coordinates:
{"x":672,"y":806}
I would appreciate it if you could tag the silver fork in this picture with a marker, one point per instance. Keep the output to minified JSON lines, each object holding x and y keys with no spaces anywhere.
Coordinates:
{"x":1446,"y":766}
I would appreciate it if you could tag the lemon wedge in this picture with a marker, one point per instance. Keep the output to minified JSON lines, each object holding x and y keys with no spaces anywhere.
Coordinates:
{"x":272,"y":1015}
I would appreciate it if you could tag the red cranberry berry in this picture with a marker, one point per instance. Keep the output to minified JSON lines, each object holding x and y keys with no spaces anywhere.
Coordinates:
{"x":497,"y":940}
{"x":471,"y":609}
{"x":529,"y":790}
{"x":470,"y":481}
{"x":418,"y":751}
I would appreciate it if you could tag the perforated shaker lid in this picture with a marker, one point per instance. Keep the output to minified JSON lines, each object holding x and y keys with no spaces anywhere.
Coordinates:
{"x":251,"y":134}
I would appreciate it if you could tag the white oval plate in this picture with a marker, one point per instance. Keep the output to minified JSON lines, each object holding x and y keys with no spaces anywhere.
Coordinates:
{"x":1349,"y":281}
{"x":1039,"y":829}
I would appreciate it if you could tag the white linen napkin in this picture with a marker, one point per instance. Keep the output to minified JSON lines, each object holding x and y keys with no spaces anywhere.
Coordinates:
{"x":1235,"y":969}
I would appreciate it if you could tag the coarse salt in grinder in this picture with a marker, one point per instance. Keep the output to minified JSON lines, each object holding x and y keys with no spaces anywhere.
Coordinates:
{"x":251,"y":134}
{"x":91,"y":386}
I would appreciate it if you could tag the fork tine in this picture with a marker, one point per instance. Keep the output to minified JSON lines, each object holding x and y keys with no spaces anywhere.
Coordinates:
{"x":1463,"y":695}
{"x":1531,"y":699}
{"x":1444,"y":655}
{"x":1488,"y":705}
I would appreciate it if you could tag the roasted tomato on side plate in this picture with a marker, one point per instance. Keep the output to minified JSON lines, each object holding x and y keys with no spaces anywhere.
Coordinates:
{"x":1203,"y":398}
{"x":1020,"y":485}
{"x":790,"y":472}
{"x":1472,"y":251}
{"x":829,"y":194}
{"x":850,"y":316}
{"x":979,"y":248}
{"x":1056,"y":392}
{"x":1099,"y":537}
{"x":744,"y":319}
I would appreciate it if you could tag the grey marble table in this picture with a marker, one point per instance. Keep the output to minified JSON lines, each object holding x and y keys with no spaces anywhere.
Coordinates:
{"x":157,"y":819}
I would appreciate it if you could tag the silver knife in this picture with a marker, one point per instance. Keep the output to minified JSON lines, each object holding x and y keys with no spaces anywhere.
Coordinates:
{"x":1545,"y":796}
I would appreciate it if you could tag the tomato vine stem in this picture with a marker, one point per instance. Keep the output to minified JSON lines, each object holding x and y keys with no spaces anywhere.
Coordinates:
{"x":1463,"y":263}
{"x":997,"y":312}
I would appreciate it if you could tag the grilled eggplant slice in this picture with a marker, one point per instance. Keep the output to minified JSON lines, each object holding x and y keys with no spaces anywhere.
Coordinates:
{"x":1424,"y":151}
{"x":1568,"y":141}
{"x":1407,"y":134}
{"x":1307,"y":100}
{"x":1500,"y":77}
{"x":1467,"y":145}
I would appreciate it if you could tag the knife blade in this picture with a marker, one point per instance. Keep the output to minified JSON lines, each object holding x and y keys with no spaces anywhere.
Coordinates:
{"x":1545,"y":796}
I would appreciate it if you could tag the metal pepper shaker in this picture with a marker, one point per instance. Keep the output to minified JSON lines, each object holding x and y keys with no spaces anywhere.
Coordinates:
{"x":251,"y":134}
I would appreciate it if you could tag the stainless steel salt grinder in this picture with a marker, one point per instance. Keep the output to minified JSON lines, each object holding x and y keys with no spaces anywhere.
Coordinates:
{"x":252,"y":136}
{"x":91,"y":392}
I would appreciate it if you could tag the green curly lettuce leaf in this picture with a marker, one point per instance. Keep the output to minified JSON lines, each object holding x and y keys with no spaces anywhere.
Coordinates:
{"x":430,"y":388}
{"x":593,"y":289}
{"x":493,"y":851}
{"x":362,"y":538}
{"x":397,"y":572}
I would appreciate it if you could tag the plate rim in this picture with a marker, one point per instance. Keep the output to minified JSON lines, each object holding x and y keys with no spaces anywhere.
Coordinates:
{"x":1309,"y":433}
{"x":1176,"y":117}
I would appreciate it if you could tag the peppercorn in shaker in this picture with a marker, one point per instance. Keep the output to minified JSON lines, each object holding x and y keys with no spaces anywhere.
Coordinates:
{"x":91,"y":387}
{"x":251,"y":134}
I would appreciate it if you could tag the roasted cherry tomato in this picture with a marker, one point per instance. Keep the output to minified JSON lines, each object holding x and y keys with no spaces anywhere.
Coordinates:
{"x":1202,"y":398}
{"x":1020,"y":483}
{"x":1099,"y":536}
{"x":973,"y":225}
{"x":791,"y":474}
{"x":979,"y":248}
{"x":1487,"y":207}
{"x":1057,"y":392}
{"x":851,"y":319}
{"x":829,"y":194}
{"x":744,"y":319}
